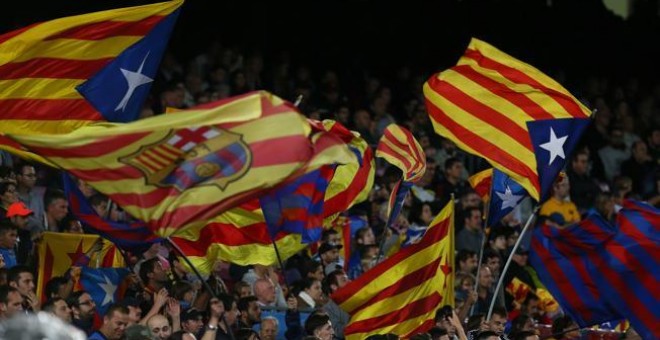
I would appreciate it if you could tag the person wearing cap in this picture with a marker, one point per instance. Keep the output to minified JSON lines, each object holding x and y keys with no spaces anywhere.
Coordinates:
{"x":192,"y":320}
{"x":329,"y":253}
{"x":18,"y":213}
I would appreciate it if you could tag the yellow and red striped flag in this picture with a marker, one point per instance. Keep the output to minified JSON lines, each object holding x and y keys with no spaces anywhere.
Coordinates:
{"x":481,"y":183}
{"x":59,"y":75}
{"x":520,"y":120}
{"x":58,"y":252}
{"x":239,"y":236}
{"x":402,"y":294}
{"x":182,"y":170}
{"x":399,"y":147}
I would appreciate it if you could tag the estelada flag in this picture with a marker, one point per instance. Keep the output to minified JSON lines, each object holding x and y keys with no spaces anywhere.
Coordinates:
{"x":58,"y":252}
{"x":59,"y":75}
{"x":497,"y":107}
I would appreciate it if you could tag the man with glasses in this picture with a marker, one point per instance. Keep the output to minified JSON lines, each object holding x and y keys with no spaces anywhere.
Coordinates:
{"x":84,"y":309}
{"x":30,"y":194}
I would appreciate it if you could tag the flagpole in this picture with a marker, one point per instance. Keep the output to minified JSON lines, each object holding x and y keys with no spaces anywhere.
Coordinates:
{"x":481,"y":250}
{"x":279,"y":260}
{"x":508,"y":261}
{"x":201,"y":278}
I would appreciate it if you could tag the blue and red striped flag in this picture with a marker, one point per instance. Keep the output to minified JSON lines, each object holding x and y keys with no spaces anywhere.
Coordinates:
{"x":499,"y":108}
{"x":135,"y":237}
{"x":297,"y":207}
{"x":400,"y":148}
{"x":62,"y":74}
{"x":601,"y":272}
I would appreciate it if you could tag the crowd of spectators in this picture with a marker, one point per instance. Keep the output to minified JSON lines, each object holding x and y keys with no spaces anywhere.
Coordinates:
{"x":618,"y":158}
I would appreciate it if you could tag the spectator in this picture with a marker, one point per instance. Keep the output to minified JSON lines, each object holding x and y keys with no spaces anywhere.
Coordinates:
{"x":160,"y":326}
{"x":114,"y":324}
{"x":472,"y":235}
{"x":269,"y":328}
{"x":583,"y":187}
{"x":56,"y":207}
{"x":8,"y":237}
{"x":84,"y":308}
{"x":31,"y":195}
{"x":560,"y":202}
{"x":250,"y":312}
{"x":641,"y":168}
{"x":319,"y":325}
{"x":58,"y":307}
{"x":11,"y":302}
{"x":21,"y":278}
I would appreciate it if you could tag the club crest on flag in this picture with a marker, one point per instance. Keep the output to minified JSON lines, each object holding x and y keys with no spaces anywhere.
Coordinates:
{"x":190,"y":157}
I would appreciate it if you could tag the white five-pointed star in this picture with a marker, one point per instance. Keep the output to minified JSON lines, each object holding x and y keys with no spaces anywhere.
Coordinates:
{"x":555,"y":146}
{"x":134,"y":79}
{"x":508,"y":198}
{"x":109,"y":288}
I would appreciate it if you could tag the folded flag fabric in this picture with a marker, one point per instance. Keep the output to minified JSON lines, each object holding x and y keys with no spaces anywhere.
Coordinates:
{"x":508,"y":112}
{"x":59,"y":75}
{"x":104,"y":285}
{"x":600,"y":272}
{"x":506,"y":194}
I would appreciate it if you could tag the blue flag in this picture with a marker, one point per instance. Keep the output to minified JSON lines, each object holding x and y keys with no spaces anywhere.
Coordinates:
{"x":505,"y":195}
{"x":103,"y":285}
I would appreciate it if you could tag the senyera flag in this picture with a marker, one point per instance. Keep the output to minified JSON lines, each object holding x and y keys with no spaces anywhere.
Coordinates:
{"x":497,"y":107}
{"x":59,"y":75}
{"x":402,"y":294}
{"x":180,"y":170}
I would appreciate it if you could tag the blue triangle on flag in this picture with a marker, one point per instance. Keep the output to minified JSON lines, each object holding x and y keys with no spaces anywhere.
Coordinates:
{"x":505,"y":195}
{"x":108,"y":91}
{"x":554,"y":141}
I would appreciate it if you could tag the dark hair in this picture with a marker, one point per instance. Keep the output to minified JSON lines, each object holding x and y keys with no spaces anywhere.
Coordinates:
{"x":97,"y":199}
{"x":245,"y":333}
{"x":15,"y":272}
{"x":147,"y":267}
{"x":53,"y":286}
{"x":4,"y":293}
{"x":244,"y":302}
{"x":331,"y":279}
{"x":117,"y":307}
{"x":560,"y":324}
{"x":521,"y":335}
{"x":443,"y":313}
{"x":437,"y":332}
{"x":180,"y":288}
{"x":314,"y":321}
{"x":6,"y":225}
{"x":326,"y":233}
{"x":178,"y":335}
{"x":227,"y":300}
{"x":4,"y":186}
{"x":500,"y":311}
{"x":519,"y":322}
{"x":464,"y":254}
{"x":450,"y":162}
{"x":52,"y":195}
{"x":49,"y":305}
{"x":74,"y":298}
{"x":474,"y":321}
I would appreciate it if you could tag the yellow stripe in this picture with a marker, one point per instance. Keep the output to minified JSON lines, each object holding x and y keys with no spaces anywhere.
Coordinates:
{"x":18,"y":45}
{"x":40,"y":88}
{"x":28,"y":156}
{"x":443,"y":131}
{"x":236,"y":216}
{"x":76,"y":49}
{"x":31,"y":126}
{"x":481,"y":128}
{"x":248,"y":254}
{"x":503,"y":58}
{"x":479,"y":177}
{"x":402,"y":329}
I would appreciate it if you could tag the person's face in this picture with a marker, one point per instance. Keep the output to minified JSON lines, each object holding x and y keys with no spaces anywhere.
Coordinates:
{"x":25,"y":283}
{"x":8,"y":238}
{"x":27,"y":177}
{"x":427,"y":214}
{"x":471,"y":200}
{"x":268,"y":330}
{"x":455,"y":170}
{"x":529,"y":325}
{"x":75,"y":227}
{"x":58,"y":209}
{"x":115,"y":324}
{"x":101,"y":209}
{"x":444,"y":323}
{"x":581,"y":164}
{"x":159,"y":274}
{"x":317,"y":274}
{"x":244,"y":291}
{"x":14,"y":303}
{"x":331,"y":256}
{"x":500,"y":243}
{"x":160,"y":327}
{"x":494,"y":264}
{"x":20,"y":221}
{"x":334,"y":239}
{"x":193,"y":325}
{"x":562,"y":188}
{"x":485,"y":278}
{"x":640,"y":150}
{"x":368,"y":237}
{"x":342,"y":280}
{"x":497,"y":323}
{"x":233,"y":314}
{"x":9,"y":196}
{"x":254,"y":312}
{"x":470,"y":263}
{"x":86,"y":307}
{"x":62,"y":311}
{"x":315,"y":291}
{"x":474,"y":221}
{"x":134,"y":315}
{"x":467,"y":285}
{"x":325,"y":332}
{"x":532,"y":307}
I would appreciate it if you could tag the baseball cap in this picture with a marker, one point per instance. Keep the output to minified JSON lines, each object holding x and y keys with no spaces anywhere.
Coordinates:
{"x":18,"y":209}
{"x":191,"y":314}
{"x":522,"y":251}
{"x":332,"y":267}
{"x":325,"y":247}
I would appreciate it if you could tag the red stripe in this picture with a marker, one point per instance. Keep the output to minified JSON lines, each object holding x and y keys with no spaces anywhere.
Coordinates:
{"x":520,"y":77}
{"x":342,"y":200}
{"x":486,"y":148}
{"x":423,"y":328}
{"x":95,"y":149}
{"x":166,"y":153}
{"x":124,"y":172}
{"x":46,"y":272}
{"x":419,"y":157}
{"x":534,"y":110}
{"x":629,"y":229}
{"x":53,"y":68}
{"x":629,"y":260}
{"x":488,"y":115}
{"x":410,"y":311}
{"x":561,"y":280}
{"x":14,"y":33}
{"x":109,"y":29}
{"x":148,"y":155}
{"x":431,"y":238}
{"x":617,"y":283}
{"x":144,"y":161}
{"x":290,"y":149}
{"x":386,"y":149}
{"x":411,"y":280}
{"x":48,"y":109}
